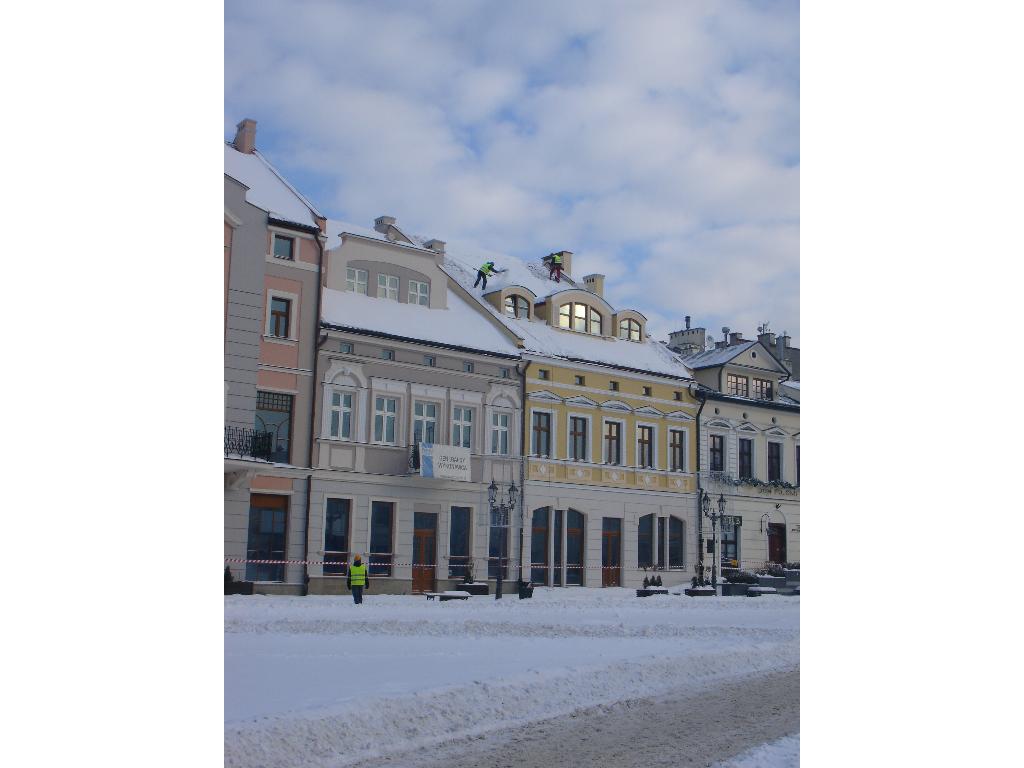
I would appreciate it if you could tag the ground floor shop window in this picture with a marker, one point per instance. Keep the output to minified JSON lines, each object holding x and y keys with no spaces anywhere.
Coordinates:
{"x":558,"y":531}
{"x":645,"y":542}
{"x":574,"y":547}
{"x":458,"y":543}
{"x":539,"y":545}
{"x":336,"y":537}
{"x":730,"y":539}
{"x":382,"y":516}
{"x":268,"y":516}
{"x":675,"y":543}
{"x":499,"y":538}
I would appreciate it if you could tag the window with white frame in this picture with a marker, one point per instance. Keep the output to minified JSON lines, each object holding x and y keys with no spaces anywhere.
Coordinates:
{"x":341,"y":415}
{"x":613,"y":442}
{"x":645,"y":446}
{"x":579,"y":317}
{"x":355,"y":280}
{"x":629,"y":330}
{"x":387,"y":287}
{"x":385,"y":412}
{"x":499,"y":433}
{"x":424,"y":422}
{"x":419,"y":292}
{"x":677,"y":450}
{"x":578,"y":438}
{"x":462,"y":427}
{"x":737,"y":385}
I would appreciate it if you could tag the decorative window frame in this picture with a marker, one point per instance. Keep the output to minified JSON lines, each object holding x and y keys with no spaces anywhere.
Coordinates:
{"x":552,"y":438}
{"x":654,"y":445}
{"x":669,"y":429}
{"x":492,"y":429}
{"x":293,"y":311}
{"x":329,"y":392}
{"x":474,"y":426}
{"x":329,"y":496}
{"x":387,"y":287}
{"x":588,"y":440}
{"x":719,"y":432}
{"x":417,"y":295}
{"x":439,"y":414}
{"x":355,"y":282}
{"x":746,"y":434}
{"x":396,"y":513}
{"x":782,"y":457}
{"x":622,"y":438}
{"x":400,"y":408}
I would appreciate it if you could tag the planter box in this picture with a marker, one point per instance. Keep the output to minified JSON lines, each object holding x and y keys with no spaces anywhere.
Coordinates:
{"x":735,"y":590}
{"x":699,"y":591}
{"x":238,"y":588}
{"x":758,"y":591}
{"x":771,"y":581}
{"x":652,"y":591}
{"x":727,"y":572}
{"x":792,"y":576}
{"x":474,"y":589}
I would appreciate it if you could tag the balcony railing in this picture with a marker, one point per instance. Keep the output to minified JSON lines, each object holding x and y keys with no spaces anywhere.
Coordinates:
{"x":240,"y":441}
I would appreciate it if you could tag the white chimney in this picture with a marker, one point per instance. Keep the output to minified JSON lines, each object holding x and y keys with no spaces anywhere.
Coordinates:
{"x":594,"y":284}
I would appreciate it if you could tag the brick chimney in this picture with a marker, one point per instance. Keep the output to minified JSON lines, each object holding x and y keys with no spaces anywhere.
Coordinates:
{"x":594,"y":284}
{"x":245,"y":136}
{"x":736,"y":338}
{"x":767,"y":338}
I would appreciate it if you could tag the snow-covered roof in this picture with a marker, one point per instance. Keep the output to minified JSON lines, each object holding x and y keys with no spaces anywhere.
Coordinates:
{"x":714,"y":357}
{"x":267,"y":188}
{"x":335,"y":228}
{"x":540,"y":338}
{"x":793,"y":384}
{"x":460,"y":325}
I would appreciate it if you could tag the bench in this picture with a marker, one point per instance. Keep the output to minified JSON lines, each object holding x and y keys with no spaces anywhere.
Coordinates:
{"x":452,"y":595}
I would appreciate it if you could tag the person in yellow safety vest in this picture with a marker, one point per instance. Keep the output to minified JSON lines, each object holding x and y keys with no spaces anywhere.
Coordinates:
{"x":555,"y":267}
{"x":486,"y":271}
{"x":357,"y":580}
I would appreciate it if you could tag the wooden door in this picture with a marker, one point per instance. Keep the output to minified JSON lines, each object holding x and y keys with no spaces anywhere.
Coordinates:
{"x":611,"y":552}
{"x":424,"y":552}
{"x":777,"y":542}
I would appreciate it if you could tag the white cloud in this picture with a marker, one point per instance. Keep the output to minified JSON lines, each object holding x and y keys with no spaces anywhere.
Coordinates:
{"x":657,"y":140}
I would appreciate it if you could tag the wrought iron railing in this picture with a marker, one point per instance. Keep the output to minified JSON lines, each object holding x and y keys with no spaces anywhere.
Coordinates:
{"x":240,"y":441}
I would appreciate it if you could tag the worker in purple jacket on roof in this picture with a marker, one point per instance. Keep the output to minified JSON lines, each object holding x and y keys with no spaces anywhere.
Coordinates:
{"x":486,"y":271}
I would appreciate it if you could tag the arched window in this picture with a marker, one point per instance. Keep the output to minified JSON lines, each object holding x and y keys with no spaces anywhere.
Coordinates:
{"x":517,"y":306}
{"x":629,"y":330}
{"x":579,"y":317}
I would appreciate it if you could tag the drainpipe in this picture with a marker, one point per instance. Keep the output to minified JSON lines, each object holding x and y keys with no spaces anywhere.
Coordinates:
{"x":312,"y":411}
{"x":700,"y":395}
{"x":522,"y":464}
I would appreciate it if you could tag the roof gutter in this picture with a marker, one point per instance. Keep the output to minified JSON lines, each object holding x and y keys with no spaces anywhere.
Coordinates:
{"x":410,"y":340}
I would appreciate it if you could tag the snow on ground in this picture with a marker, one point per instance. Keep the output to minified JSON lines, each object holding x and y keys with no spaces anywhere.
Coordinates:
{"x":784,"y":753}
{"x":319,"y":681}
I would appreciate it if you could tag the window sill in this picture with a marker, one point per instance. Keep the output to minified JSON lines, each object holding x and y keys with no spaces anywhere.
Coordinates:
{"x":286,"y":341}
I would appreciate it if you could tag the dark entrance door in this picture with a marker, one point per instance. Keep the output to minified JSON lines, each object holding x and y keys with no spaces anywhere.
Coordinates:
{"x":424,"y":552}
{"x":777,"y":542}
{"x":611,"y":552}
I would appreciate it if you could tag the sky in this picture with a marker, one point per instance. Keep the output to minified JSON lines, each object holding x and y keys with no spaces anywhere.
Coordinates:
{"x":657,"y":141}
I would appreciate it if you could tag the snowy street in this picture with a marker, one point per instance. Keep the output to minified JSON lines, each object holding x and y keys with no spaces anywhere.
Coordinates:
{"x":318,"y":681}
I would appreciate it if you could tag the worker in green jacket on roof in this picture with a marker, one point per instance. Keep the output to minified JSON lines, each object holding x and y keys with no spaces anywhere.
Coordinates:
{"x":555,"y":267}
{"x":486,"y":271}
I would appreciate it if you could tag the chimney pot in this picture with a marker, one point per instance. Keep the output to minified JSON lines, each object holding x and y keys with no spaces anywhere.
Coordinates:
{"x":594,"y":284}
{"x":437,"y":246}
{"x":245,"y":136}
{"x":687,"y":322}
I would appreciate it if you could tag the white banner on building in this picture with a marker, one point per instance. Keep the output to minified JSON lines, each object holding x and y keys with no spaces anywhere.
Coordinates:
{"x":446,"y":462}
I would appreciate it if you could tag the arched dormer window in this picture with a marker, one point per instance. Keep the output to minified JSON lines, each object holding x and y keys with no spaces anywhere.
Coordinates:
{"x":579,"y":317}
{"x":629,"y":330}
{"x":517,"y":306}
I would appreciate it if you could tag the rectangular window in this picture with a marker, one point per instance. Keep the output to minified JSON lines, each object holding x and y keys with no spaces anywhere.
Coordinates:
{"x":677,"y":450}
{"x":539,"y":545}
{"x":580,"y":381}
{"x":574,"y":524}
{"x":612,"y":442}
{"x":384,"y":414}
{"x":661,"y":543}
{"x":268,"y":517}
{"x":382,"y":514}
{"x":774,"y":461}
{"x":462,"y":427}
{"x":424,"y":422}
{"x":717,"y":453}
{"x":284,"y":248}
{"x":645,"y":444}
{"x":345,"y":348}
{"x":675,"y":542}
{"x":274,"y":415}
{"x":467,"y":367}
{"x":280,"y":309}
{"x":458,"y":543}
{"x":762,"y":389}
{"x":730,"y":541}
{"x":736,"y":385}
{"x":387,"y":354}
{"x":355,"y":280}
{"x":499,"y":433}
{"x":341,"y":415}
{"x":677,"y":395}
{"x":506,"y":373}
{"x":746,"y":457}
{"x":542,"y":434}
{"x":387,"y":287}
{"x":336,"y":537}
{"x":543,"y":374}
{"x":613,"y":386}
{"x":579,"y":322}
{"x":578,"y":438}
{"x":645,"y":542}
{"x":419,"y":293}
{"x":429,"y":360}
{"x":647,"y":391}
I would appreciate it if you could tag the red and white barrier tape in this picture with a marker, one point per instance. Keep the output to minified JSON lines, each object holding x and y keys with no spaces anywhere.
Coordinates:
{"x":508,"y":564}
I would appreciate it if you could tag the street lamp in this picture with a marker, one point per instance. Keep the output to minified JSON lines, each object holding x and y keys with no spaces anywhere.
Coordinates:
{"x":500,"y":515}
{"x":715,"y":518}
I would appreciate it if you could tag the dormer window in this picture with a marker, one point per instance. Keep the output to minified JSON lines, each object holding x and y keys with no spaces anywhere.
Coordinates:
{"x":629,"y":330}
{"x":579,"y":317}
{"x":387,"y":287}
{"x":517,"y":306}
{"x":762,"y":389}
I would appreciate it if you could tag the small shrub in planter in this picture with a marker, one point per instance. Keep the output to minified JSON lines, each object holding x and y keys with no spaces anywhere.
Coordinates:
{"x":647,"y":582}
{"x":742,"y":577}
{"x":772,"y":569}
{"x":792,"y":566}
{"x":657,"y":581}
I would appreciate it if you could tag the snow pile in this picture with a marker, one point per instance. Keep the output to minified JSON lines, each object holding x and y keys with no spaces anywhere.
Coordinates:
{"x":784,"y":753}
{"x":319,"y":681}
